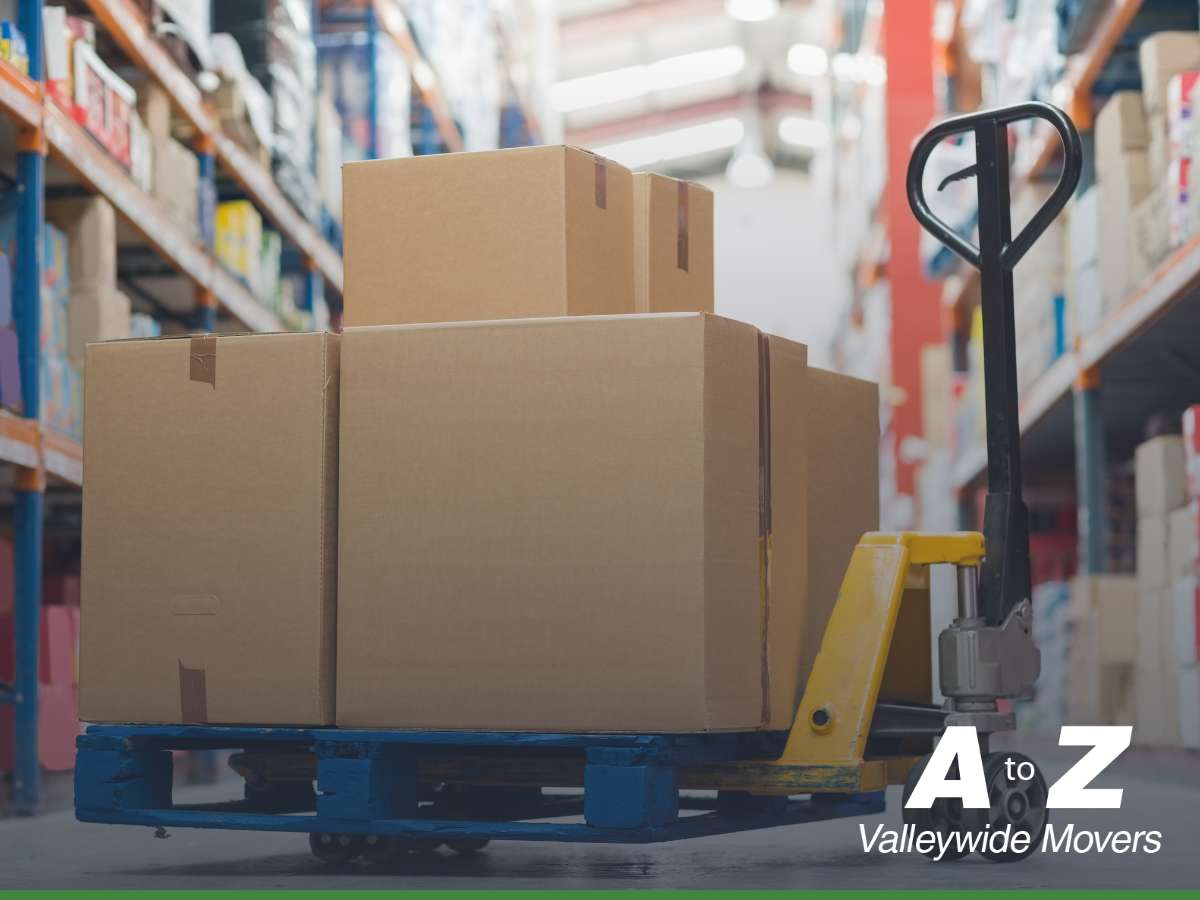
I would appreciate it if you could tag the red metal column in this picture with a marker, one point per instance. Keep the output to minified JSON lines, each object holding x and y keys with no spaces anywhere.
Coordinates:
{"x":916,"y":301}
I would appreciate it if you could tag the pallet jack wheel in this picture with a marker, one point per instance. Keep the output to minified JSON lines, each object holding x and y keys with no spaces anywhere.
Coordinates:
{"x":1019,"y":802}
{"x":466,"y":846}
{"x":336,"y":848}
{"x":380,"y":848}
{"x":945,"y":816}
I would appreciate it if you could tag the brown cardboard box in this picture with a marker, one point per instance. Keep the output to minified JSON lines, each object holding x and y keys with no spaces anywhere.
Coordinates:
{"x":1109,"y":603}
{"x":1161,"y":56}
{"x":581,"y":495}
{"x":539,"y":231}
{"x":100,"y":314}
{"x":1149,"y":236}
{"x":209,"y":544}
{"x":176,"y":183}
{"x":843,"y":491}
{"x":1160,"y":473}
{"x":1120,"y":128}
{"x":1099,"y":692}
{"x":673,"y":245}
{"x":154,"y":106}
{"x":1156,"y":687}
{"x":90,"y":224}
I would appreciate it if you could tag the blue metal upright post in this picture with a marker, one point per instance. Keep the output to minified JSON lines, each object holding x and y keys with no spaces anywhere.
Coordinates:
{"x":372,"y":84}
{"x":30,"y":484}
{"x":206,"y":303}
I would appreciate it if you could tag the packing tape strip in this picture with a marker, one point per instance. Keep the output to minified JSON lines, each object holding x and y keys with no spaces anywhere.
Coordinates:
{"x":764,"y":514}
{"x":202,"y":354}
{"x":601,"y":184}
{"x":193,"y":695}
{"x":681,"y":227}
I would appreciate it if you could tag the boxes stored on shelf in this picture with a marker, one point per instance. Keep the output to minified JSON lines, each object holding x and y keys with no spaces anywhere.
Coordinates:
{"x":1110,"y":603}
{"x":936,"y":375}
{"x":1161,"y":56}
{"x":1152,"y":542}
{"x":10,"y":371}
{"x":1189,"y":707}
{"x":1191,"y":449}
{"x":543,"y":231}
{"x":177,"y":182}
{"x":1103,"y":650}
{"x":585,"y":493}
{"x":1186,"y":594}
{"x":1120,"y":129}
{"x":1161,"y":475}
{"x":210,"y":598}
{"x":154,"y":108}
{"x":1183,"y":545}
{"x":90,"y":224}
{"x":239,"y":239}
{"x":1084,"y":229}
{"x":1149,"y":234}
{"x":673,"y":245}
{"x":96,"y":314}
{"x":1156,"y":676}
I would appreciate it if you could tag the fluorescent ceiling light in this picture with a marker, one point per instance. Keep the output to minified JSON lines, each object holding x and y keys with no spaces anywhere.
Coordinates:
{"x":860,"y":69}
{"x":632,"y":82}
{"x":808,"y":59}
{"x":693,"y":140}
{"x":751,"y":10}
{"x":803,"y":132}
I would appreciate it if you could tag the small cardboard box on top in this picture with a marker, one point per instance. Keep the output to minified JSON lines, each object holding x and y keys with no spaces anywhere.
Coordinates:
{"x":673,"y":245}
{"x":209,"y":530}
{"x":537,"y":231}
{"x":586,"y":496}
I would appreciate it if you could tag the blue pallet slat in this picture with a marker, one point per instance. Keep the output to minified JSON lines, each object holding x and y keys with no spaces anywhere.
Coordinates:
{"x":367,"y":782}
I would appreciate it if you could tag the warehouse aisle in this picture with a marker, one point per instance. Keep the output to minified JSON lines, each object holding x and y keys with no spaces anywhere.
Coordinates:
{"x":1162,"y":791}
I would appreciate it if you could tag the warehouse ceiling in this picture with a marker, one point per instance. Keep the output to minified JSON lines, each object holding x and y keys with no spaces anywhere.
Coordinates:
{"x":687,"y":86}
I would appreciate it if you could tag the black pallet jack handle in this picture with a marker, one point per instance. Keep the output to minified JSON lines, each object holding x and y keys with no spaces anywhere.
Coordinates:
{"x":1004,"y":579}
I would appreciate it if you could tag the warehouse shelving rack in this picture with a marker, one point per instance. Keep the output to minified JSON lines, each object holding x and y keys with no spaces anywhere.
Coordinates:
{"x":39,"y":454}
{"x":1091,"y":403}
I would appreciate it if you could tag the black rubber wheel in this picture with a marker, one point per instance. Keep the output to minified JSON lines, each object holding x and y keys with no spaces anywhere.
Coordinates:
{"x":1018,"y":802}
{"x":945,"y":816}
{"x":336,"y":848}
{"x":421,"y":845}
{"x":465,"y":846}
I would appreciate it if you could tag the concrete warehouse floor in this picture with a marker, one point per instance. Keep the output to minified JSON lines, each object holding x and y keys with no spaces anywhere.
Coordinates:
{"x":1162,"y":791}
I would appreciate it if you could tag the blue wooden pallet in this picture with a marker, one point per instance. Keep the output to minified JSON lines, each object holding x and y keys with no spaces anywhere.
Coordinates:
{"x":369,"y":782}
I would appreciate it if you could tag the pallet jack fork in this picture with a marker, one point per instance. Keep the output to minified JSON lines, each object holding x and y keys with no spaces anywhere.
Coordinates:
{"x":864,"y":721}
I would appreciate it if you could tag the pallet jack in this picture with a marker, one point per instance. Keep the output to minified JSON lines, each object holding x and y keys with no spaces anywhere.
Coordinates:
{"x":866,"y":720}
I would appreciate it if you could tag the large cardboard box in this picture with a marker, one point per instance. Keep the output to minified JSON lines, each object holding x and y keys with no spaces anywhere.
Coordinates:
{"x":1162,"y":56}
{"x":558,"y":524}
{"x":1186,"y":596}
{"x":1103,"y":649}
{"x":1160,"y":473}
{"x":541,"y":231}
{"x":673,"y":245}
{"x":842,"y":420}
{"x":209,"y":543}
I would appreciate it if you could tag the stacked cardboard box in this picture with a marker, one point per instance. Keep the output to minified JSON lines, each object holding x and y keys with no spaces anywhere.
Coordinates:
{"x":97,"y":310}
{"x":1161,"y":491}
{"x":598,"y":522}
{"x":1103,"y":650}
{"x":1123,"y":173}
{"x":1052,"y":632}
{"x":1185,"y":569}
{"x":1084,"y":290}
{"x":1038,"y":290}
